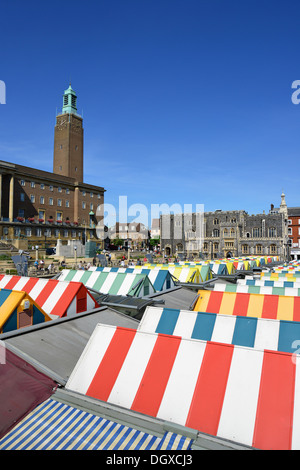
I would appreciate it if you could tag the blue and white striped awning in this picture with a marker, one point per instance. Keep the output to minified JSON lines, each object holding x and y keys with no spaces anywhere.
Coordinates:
{"x":56,"y":426}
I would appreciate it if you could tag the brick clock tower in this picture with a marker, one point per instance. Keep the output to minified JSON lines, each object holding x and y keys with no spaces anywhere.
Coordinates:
{"x":68,"y":139}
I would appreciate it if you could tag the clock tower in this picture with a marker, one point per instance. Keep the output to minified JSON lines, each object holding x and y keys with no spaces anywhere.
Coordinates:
{"x":68,"y":139}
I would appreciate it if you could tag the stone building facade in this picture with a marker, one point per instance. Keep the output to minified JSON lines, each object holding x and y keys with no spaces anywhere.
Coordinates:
{"x":41,"y":206}
{"x":222,"y":234}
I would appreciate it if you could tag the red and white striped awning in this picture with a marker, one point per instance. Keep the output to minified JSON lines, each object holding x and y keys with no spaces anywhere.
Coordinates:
{"x":56,"y":298}
{"x":245,"y":395}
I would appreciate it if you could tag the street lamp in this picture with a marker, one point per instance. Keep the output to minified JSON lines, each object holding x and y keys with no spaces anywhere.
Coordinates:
{"x":75,"y":250}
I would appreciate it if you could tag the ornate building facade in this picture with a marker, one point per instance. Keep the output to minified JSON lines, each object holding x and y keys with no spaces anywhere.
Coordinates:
{"x":222,"y":234}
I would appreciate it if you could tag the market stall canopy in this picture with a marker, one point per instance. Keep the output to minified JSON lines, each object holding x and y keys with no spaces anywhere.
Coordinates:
{"x":197,"y":384}
{"x":57,"y":299}
{"x":278,"y":307}
{"x":56,"y":426}
{"x":114,"y":283}
{"x":192,"y":273}
{"x":257,"y":333}
{"x":23,"y":387}
{"x":255,"y":289}
{"x":18,"y":310}
{"x":161,"y":279}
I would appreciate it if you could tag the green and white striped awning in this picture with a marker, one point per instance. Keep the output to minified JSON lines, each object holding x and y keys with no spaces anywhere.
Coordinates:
{"x":56,"y":426}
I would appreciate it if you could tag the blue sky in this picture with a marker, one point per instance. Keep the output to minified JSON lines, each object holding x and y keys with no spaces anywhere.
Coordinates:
{"x":184,"y":101}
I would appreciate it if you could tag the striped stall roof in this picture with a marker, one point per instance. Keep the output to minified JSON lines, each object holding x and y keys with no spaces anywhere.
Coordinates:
{"x":268,"y":282}
{"x":194,"y":273}
{"x":245,"y":395}
{"x":276,"y":307}
{"x":294,"y":276}
{"x":111,"y":282}
{"x":185,"y":274}
{"x":54,"y":297}
{"x":219,"y":268}
{"x":286,"y":269}
{"x":256,"y":289}
{"x":161,"y":279}
{"x":56,"y":426}
{"x":12,"y":306}
{"x":258,"y":333}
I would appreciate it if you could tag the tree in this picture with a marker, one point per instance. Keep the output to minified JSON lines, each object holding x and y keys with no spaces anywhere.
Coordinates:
{"x":154,"y":241}
{"x":118,"y":242}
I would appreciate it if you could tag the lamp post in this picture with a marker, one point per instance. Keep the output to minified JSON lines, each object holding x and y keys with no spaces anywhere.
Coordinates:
{"x":75,"y":253}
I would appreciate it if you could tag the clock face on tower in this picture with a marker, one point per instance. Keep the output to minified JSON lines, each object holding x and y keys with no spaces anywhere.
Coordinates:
{"x":61,"y":123}
{"x":76,"y":125}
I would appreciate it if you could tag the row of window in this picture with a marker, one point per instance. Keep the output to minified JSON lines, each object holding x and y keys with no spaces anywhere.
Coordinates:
{"x":51,"y":201}
{"x":256,"y":232}
{"x":47,"y":233}
{"x":259,"y":249}
{"x":59,"y":189}
{"x":38,"y":232}
{"x":226,"y":233}
{"x":59,"y":215}
{"x":42,"y":186}
{"x":232,"y":221}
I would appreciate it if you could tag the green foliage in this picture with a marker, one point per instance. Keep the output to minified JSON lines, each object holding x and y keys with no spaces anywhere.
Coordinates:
{"x":154,"y":241}
{"x":118,"y":242}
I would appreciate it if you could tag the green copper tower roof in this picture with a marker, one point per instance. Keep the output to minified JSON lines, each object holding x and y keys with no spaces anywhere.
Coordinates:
{"x":69,"y":101}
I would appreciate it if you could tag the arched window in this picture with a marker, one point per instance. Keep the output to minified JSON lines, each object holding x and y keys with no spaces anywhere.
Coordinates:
{"x":273,"y":249}
{"x":225,"y":232}
{"x":216,"y":221}
{"x":256,"y":232}
{"x":272,"y":232}
{"x":232,"y":232}
{"x":216,"y":232}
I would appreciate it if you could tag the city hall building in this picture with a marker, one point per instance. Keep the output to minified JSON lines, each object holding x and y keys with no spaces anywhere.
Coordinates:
{"x":41,"y":206}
